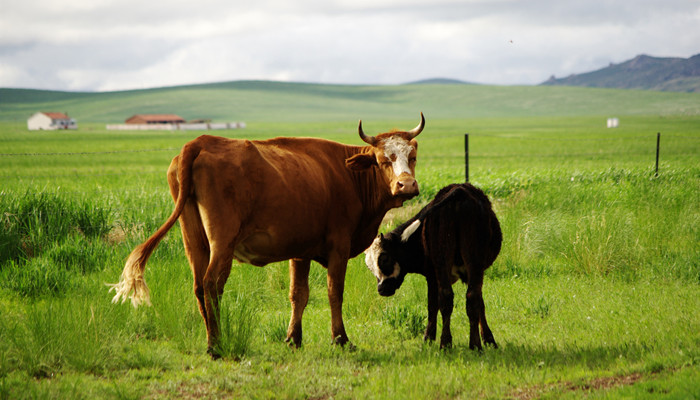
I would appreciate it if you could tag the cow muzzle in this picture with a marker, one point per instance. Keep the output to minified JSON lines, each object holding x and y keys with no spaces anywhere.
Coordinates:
{"x":405,"y":186}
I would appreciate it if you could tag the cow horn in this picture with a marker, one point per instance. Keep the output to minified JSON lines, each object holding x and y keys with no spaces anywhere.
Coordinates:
{"x":370,"y":140}
{"x":415,"y":131}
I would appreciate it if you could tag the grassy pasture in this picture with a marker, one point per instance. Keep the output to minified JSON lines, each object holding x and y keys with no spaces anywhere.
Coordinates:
{"x":595,"y":294}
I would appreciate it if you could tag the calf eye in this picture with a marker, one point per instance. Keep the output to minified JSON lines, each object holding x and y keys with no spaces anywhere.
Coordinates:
{"x":386,"y":264}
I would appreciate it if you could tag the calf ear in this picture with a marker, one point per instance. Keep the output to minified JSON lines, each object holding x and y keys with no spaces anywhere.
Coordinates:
{"x":360,"y":161}
{"x":410,"y":230}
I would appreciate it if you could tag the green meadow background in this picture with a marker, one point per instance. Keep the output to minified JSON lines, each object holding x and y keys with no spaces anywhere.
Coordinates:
{"x":596,"y":293}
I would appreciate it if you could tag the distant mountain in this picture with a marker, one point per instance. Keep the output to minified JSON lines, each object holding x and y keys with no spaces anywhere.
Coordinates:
{"x":641,"y":72}
{"x":439,"y":81}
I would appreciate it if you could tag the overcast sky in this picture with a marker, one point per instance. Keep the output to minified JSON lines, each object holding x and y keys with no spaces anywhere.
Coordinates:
{"x":105,"y":45}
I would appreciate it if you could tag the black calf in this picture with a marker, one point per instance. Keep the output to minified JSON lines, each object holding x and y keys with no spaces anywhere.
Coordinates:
{"x":456,"y":236}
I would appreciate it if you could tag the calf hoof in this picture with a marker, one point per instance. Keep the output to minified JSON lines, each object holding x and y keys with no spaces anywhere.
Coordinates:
{"x":446,"y":341}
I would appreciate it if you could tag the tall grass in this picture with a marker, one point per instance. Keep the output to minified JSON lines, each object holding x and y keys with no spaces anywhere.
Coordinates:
{"x":237,"y":322}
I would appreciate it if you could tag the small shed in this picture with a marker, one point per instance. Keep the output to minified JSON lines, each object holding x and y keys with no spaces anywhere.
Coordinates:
{"x":147,"y":119}
{"x":51,"y":121}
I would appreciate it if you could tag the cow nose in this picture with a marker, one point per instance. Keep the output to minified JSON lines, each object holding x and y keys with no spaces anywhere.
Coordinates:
{"x":407,"y":186}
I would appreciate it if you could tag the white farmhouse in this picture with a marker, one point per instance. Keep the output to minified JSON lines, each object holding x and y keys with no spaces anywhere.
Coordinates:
{"x":51,"y":121}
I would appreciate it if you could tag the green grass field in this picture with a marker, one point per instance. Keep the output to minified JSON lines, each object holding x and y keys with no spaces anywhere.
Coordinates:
{"x":596,"y":293}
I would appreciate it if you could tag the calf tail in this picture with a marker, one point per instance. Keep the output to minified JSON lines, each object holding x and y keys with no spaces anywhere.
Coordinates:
{"x":132,"y":276}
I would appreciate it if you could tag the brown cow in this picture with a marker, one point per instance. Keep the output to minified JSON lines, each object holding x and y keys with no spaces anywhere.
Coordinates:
{"x":456,"y":236}
{"x":297,"y":199}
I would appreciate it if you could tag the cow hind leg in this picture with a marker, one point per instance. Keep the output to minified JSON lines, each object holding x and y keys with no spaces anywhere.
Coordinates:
{"x":298,"y":297}
{"x":213,"y":284}
{"x":197,"y":250}
{"x":194,"y":240}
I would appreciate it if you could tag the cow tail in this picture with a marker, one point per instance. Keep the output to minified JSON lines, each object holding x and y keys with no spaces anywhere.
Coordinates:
{"x":132,"y":276}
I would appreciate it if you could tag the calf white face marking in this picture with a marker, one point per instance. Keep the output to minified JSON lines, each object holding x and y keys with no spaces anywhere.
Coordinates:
{"x":398,"y":150}
{"x":372,"y":261}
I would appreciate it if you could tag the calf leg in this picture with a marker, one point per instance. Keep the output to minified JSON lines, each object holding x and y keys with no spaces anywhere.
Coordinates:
{"x":298,"y":296}
{"x":440,"y":251}
{"x":446,"y":299}
{"x":485,"y":330}
{"x":431,"y":327}
{"x":475,"y":306}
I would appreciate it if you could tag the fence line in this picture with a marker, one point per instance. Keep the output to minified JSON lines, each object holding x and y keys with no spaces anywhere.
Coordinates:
{"x":455,"y":136}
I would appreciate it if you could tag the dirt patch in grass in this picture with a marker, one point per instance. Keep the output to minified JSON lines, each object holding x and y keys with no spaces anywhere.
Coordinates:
{"x":534,"y":392}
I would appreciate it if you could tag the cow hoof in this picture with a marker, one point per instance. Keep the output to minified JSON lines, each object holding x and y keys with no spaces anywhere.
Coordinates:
{"x":347,"y":346}
{"x":293,"y":343}
{"x":344,"y":342}
{"x":340,"y":339}
{"x":213,"y":354}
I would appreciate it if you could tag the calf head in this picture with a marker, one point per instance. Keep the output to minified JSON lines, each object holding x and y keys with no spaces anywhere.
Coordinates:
{"x":394,"y":153}
{"x":382,"y":259}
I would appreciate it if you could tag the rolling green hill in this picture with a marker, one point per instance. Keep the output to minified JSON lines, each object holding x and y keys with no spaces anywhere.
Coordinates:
{"x":255,"y":101}
{"x":641,"y":72}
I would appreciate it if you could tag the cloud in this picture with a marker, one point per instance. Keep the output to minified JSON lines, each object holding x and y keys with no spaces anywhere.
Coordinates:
{"x":123,"y":44}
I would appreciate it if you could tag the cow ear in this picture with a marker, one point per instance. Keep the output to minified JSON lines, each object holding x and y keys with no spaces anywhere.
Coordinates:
{"x":410,"y":230}
{"x":360,"y":161}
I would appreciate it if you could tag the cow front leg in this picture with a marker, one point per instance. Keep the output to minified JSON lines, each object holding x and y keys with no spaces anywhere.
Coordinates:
{"x":298,"y":297}
{"x":336,"y":285}
{"x":431,"y":327}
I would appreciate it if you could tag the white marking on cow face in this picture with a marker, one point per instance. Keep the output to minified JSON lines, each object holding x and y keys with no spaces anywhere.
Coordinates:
{"x":372,"y":256}
{"x":398,"y":150}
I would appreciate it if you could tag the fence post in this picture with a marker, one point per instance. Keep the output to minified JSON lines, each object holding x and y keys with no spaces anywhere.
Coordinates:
{"x":658,"y":142}
{"x":466,"y":157}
